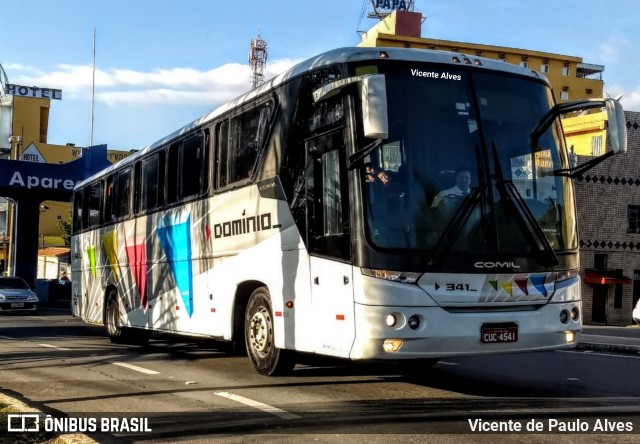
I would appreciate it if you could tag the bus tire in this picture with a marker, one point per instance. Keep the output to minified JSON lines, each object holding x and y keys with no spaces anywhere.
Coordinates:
{"x":117,"y":333}
{"x":112,"y":318}
{"x":266,"y":358}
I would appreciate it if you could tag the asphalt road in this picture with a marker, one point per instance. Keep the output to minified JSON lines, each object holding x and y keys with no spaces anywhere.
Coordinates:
{"x":196,"y":393}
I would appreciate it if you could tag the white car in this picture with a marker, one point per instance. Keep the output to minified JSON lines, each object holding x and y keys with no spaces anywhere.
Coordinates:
{"x":16,"y":296}
{"x":636,"y":312}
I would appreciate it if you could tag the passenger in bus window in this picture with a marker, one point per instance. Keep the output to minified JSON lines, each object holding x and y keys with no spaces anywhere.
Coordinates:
{"x":63,"y":279}
{"x":384,"y":178}
{"x":369,"y":173}
{"x":456,"y":193}
{"x":389,"y":193}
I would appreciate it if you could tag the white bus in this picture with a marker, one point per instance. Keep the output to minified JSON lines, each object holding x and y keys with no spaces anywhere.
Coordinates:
{"x":327,"y":212}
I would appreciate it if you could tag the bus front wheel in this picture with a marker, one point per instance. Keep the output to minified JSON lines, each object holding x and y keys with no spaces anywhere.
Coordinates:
{"x":266,"y":358}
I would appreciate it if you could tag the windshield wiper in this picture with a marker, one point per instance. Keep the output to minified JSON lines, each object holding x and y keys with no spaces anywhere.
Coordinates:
{"x":451,"y":233}
{"x":509,"y":193}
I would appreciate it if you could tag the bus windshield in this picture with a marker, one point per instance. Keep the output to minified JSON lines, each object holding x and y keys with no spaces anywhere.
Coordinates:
{"x":459,"y":154}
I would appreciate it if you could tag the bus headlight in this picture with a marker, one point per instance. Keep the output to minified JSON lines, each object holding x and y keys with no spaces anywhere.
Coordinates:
{"x":575,"y":314}
{"x":404,"y":277}
{"x":391,"y":320}
{"x":564,"y":316}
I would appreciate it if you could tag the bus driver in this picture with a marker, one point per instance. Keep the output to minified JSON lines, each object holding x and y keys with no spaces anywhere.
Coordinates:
{"x":457,"y":192}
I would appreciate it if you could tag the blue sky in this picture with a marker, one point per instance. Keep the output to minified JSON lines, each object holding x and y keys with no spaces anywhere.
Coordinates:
{"x":161,"y":64}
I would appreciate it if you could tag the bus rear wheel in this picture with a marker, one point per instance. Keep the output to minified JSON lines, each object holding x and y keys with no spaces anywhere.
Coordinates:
{"x":112,"y":318}
{"x":117,"y":333}
{"x":266,"y":358}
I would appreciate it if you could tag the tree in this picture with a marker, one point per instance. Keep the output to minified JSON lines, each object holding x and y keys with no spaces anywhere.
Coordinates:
{"x":65,"y":229}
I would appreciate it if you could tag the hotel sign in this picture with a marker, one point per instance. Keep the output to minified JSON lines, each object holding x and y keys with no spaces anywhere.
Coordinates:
{"x":32,"y":91}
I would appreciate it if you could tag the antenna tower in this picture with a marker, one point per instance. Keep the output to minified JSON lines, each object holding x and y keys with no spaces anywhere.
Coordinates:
{"x":257,"y":60}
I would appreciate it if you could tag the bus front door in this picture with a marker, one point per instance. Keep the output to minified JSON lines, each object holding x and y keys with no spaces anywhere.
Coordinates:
{"x":332,"y":301}
{"x":329,"y":244}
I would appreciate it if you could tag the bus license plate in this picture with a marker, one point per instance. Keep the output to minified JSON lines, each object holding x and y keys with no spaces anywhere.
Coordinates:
{"x":498,"y":334}
{"x":17,"y":305}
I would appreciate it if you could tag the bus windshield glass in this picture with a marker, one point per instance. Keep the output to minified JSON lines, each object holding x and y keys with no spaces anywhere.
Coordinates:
{"x":459,"y":155}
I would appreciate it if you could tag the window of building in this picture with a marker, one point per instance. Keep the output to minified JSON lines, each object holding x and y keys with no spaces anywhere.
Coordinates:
{"x":633,"y":216}
{"x":565,"y":70}
{"x":524,"y":64}
{"x":544,"y":68}
{"x":600,"y":261}
{"x":617,"y":297}
{"x":596,"y":145}
{"x":564,"y":95}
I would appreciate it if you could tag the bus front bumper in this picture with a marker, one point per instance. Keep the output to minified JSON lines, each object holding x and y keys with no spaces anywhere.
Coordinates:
{"x":427,"y":332}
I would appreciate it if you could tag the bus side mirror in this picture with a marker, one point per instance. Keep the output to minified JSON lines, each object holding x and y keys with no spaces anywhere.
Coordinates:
{"x":373,"y":97}
{"x":617,"y":126}
{"x":615,"y":116}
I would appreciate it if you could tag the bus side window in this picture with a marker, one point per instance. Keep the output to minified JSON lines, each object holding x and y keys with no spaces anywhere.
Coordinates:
{"x":240,"y":141}
{"x":95,"y":202}
{"x":108,"y":200}
{"x":149,"y":183}
{"x":193,"y":167}
{"x":173,"y":166}
{"x":122,"y":189}
{"x":223,"y":153}
{"x":77,"y":211}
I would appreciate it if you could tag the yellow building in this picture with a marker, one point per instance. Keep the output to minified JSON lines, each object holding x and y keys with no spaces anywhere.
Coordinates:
{"x":586,"y":134}
{"x":570,"y":77}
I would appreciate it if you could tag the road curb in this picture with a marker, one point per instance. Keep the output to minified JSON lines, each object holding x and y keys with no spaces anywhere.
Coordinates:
{"x":70,"y":438}
{"x":610,"y":348}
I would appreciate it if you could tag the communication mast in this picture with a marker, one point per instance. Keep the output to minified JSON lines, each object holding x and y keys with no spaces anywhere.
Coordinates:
{"x":257,"y":60}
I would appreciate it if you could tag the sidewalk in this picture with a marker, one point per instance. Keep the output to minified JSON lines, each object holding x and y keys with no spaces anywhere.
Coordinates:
{"x":610,"y":339}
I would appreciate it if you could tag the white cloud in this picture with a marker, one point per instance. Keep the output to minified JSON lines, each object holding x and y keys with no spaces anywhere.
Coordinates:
{"x":614,"y":48}
{"x":630,"y":99}
{"x":178,"y":85}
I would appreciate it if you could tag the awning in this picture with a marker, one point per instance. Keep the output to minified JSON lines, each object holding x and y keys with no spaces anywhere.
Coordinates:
{"x":605,"y":277}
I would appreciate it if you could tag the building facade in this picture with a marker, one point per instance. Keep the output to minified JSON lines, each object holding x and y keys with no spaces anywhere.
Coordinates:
{"x":608,"y":204}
